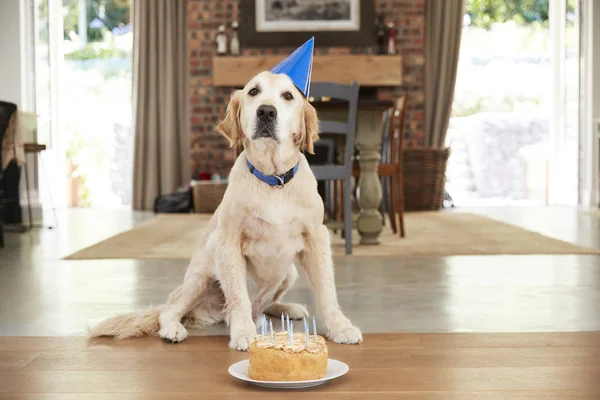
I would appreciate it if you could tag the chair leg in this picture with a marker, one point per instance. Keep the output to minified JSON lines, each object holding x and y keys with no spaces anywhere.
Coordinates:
{"x":1,"y":206}
{"x":383,"y":207}
{"x":29,"y":212}
{"x":334,"y":202}
{"x":327,"y":199}
{"x":348,"y":216}
{"x":331,"y":193}
{"x":1,"y":229}
{"x":400,"y":204}
{"x":392,"y":197}
{"x":1,"y":216}
{"x":342,"y":206}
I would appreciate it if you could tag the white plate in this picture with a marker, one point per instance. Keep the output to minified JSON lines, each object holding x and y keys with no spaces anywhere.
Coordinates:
{"x":335,"y":369}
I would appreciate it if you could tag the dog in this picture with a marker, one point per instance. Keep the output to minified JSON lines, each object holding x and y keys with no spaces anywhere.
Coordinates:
{"x":245,"y":261}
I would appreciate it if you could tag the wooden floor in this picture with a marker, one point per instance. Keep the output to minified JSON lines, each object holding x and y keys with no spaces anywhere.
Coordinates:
{"x":558,"y":366}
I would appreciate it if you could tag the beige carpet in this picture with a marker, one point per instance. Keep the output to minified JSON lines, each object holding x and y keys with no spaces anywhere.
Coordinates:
{"x":174,"y":236}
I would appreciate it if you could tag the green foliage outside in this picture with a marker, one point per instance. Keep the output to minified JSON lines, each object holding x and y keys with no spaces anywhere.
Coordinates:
{"x":505,"y":52}
{"x":93,"y":53}
{"x":113,"y":13}
{"x":485,"y":13}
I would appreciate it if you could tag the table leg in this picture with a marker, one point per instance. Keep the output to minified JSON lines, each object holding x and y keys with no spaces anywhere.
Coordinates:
{"x":29,"y":212}
{"x":369,"y":195}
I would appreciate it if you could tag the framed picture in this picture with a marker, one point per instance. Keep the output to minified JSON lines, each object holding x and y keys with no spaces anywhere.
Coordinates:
{"x":289,"y":23}
{"x":307,"y":15}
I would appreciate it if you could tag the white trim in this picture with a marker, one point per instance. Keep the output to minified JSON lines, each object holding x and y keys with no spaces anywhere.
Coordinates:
{"x":55,"y":157}
{"x":589,"y":139}
{"x":557,"y":15}
{"x":27,"y":62}
{"x":26,"y":56}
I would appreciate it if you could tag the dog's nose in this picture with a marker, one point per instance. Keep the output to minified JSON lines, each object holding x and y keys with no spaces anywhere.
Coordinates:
{"x":266,"y":113}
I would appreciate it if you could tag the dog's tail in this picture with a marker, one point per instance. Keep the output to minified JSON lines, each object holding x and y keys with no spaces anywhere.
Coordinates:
{"x":133,"y":324}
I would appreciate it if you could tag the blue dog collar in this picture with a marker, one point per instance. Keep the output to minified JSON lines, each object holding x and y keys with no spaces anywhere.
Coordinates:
{"x":273,"y":180}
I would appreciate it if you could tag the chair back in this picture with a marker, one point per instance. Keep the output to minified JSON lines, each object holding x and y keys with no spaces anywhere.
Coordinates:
{"x":6,"y":112}
{"x":393,"y":132}
{"x":339,"y":92}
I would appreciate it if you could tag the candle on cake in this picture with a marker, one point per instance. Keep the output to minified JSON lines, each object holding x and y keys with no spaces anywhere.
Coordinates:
{"x":282,"y":324}
{"x":315,"y":328}
{"x":263,"y":326}
{"x":291,"y":333}
{"x":306,"y":333}
{"x":271,"y":329}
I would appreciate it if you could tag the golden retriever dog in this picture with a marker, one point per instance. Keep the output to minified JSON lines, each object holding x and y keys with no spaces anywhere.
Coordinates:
{"x":246,"y":259}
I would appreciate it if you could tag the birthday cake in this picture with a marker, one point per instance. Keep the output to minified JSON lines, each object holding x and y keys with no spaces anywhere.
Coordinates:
{"x":287,"y":356}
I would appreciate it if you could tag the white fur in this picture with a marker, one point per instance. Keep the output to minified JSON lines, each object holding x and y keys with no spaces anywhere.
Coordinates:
{"x":246,"y":259}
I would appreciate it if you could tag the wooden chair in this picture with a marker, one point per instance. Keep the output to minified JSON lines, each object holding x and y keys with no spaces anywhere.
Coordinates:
{"x":339,"y":172}
{"x":390,"y":167}
{"x":6,"y":112}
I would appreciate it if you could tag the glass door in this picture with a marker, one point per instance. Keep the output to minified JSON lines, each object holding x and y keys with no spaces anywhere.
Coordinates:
{"x":514,"y":129}
{"x":565,"y":115}
{"x":83,"y":86}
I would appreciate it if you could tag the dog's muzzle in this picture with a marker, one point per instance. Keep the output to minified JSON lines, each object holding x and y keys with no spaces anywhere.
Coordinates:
{"x":266,"y":122}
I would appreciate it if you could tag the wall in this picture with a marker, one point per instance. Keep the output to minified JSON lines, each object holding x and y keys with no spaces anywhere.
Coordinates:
{"x":596,"y":59}
{"x":594,"y":186}
{"x":208,"y":103}
{"x":10,"y":48}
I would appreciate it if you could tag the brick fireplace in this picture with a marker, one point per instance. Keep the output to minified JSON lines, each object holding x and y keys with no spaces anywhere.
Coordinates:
{"x":208,"y":101}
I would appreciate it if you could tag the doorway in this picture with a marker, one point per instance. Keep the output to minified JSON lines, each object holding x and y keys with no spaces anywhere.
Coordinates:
{"x":514,"y":129}
{"x":83,"y":98}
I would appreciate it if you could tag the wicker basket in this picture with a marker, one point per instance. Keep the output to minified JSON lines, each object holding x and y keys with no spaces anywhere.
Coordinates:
{"x":208,"y":195}
{"x":424,"y":178}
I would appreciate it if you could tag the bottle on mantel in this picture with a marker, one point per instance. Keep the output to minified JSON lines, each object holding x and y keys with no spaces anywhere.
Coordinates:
{"x":380,"y":33}
{"x":221,"y":41}
{"x":391,"y":39}
{"x":234,"y":45}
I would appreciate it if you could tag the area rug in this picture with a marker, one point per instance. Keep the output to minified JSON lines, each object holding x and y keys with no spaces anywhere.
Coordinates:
{"x":174,"y":236}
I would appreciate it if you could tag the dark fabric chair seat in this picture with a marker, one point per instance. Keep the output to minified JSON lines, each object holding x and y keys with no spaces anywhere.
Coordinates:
{"x":6,"y":112}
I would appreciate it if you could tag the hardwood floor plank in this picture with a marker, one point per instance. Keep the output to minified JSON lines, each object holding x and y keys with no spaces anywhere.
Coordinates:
{"x":516,"y":339}
{"x":126,"y":360}
{"x":10,"y":360}
{"x":193,"y":343}
{"x":316,"y":395}
{"x":472,"y":357}
{"x":82,"y":343}
{"x":357,"y":380}
{"x":372,"y":341}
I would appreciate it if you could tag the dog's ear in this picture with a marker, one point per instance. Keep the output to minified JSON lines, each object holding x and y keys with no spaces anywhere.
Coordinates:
{"x":309,"y":128}
{"x":230,"y":126}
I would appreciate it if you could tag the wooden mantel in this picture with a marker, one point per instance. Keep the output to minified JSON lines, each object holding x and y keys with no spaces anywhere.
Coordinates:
{"x":367,"y":70}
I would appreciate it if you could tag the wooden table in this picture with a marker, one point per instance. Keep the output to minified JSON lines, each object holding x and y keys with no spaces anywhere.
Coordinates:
{"x":368,"y":144}
{"x":34,"y":147}
{"x":31,"y":148}
{"x":493,"y":366}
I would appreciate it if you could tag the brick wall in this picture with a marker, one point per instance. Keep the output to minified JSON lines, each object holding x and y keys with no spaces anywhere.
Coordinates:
{"x":210,"y":151}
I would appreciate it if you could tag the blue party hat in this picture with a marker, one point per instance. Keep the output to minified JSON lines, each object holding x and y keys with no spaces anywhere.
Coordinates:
{"x":298,"y":66}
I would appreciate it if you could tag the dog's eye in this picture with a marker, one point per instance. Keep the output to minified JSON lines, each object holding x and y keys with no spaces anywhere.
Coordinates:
{"x":288,"y":96}
{"x":253,"y":92}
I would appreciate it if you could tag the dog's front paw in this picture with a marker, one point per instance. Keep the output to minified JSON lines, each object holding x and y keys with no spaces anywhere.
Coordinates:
{"x":173,"y":332}
{"x":295,"y":311}
{"x":346,"y":335}
{"x":241,"y":341}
